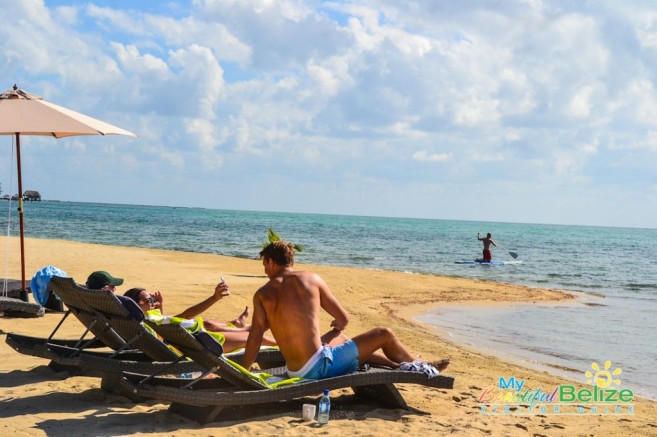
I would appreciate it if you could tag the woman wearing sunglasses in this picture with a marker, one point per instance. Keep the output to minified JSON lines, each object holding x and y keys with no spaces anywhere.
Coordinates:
{"x":235,"y":331}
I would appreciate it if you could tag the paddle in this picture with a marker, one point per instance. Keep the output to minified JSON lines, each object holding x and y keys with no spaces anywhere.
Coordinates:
{"x":513,"y":254}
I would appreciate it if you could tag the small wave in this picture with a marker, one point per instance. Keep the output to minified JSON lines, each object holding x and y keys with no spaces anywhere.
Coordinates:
{"x":637,"y":286}
{"x":561,"y":355}
{"x":374,"y":269}
{"x":638,"y":296}
{"x":562,"y":275}
{"x":240,"y":255}
{"x":564,"y":368}
{"x":361,"y":258}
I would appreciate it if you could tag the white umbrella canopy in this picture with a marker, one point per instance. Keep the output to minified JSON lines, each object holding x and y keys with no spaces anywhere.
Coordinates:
{"x":22,"y":113}
{"x":26,"y":114}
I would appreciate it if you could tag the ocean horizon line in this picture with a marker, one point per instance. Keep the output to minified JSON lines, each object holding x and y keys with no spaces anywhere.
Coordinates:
{"x":492,"y":222}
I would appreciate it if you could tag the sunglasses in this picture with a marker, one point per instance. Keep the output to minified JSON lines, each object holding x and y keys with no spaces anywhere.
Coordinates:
{"x":149,"y":299}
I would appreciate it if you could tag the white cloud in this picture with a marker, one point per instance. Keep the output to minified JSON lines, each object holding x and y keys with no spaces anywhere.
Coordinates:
{"x":647,"y":143}
{"x":476,"y":111}
{"x":520,"y":93}
{"x":423,"y":155}
{"x":580,"y":105}
{"x":569,"y":162}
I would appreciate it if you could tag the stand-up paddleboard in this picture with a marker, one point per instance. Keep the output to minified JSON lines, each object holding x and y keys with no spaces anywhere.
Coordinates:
{"x":488,"y":263}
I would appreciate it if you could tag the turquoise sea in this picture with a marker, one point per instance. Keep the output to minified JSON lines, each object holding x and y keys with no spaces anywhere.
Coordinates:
{"x":615,"y":267}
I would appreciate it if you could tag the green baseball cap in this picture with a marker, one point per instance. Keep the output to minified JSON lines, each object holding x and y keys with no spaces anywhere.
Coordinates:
{"x":100,"y":279}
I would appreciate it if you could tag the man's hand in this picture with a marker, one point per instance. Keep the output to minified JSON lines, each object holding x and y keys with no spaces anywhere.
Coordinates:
{"x":338,"y":326}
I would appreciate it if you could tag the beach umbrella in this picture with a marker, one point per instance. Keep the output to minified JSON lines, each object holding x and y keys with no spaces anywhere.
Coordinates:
{"x":22,"y":113}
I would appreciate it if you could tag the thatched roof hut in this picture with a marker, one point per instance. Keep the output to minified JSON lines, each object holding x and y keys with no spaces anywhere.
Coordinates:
{"x":32,"y":195}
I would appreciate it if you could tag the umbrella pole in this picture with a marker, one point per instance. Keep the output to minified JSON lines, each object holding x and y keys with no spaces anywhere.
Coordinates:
{"x":20,"y":215}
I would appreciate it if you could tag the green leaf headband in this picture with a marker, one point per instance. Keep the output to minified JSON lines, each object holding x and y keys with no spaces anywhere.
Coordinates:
{"x":273,"y":236}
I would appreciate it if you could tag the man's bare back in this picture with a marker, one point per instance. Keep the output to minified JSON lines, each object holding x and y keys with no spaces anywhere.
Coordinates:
{"x":487,"y":240}
{"x":291,"y":303}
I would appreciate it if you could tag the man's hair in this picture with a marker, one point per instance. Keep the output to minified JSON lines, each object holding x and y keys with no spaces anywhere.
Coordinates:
{"x":134,"y":293}
{"x":281,"y":252}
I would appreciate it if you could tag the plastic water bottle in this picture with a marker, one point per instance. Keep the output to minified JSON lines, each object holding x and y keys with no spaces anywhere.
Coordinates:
{"x":324,"y":408}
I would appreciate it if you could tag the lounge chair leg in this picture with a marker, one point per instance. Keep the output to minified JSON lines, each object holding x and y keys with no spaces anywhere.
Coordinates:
{"x":110,"y":382}
{"x":71,"y":370}
{"x":201,"y":414}
{"x":383,"y":394}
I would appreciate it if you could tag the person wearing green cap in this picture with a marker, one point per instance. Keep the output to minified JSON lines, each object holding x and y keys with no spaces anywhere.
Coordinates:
{"x":101,"y":280}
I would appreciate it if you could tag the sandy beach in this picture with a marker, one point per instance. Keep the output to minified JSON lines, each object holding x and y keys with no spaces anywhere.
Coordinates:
{"x":35,"y":401}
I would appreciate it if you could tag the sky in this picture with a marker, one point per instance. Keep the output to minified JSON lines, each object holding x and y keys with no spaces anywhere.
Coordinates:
{"x":521,"y":111}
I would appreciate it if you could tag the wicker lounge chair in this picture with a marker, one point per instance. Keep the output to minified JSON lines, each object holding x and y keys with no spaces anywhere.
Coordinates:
{"x":198,"y":401}
{"x":64,"y":354}
{"x":107,"y":351}
{"x":116,"y":322}
{"x":72,"y":295}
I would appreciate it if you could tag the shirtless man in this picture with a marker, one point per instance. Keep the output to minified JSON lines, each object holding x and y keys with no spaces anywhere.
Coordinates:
{"x":488,"y":240}
{"x":289,"y":304}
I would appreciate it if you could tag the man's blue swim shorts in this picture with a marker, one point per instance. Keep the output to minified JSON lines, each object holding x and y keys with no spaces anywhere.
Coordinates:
{"x":330,"y":361}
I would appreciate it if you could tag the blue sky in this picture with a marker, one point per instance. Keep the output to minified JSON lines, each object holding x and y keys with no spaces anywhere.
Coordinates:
{"x":514,"y":111}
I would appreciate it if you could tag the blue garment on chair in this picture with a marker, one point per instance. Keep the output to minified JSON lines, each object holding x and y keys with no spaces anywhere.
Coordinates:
{"x":41,"y":282}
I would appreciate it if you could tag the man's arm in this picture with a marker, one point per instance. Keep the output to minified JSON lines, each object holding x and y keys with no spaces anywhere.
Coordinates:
{"x":220,"y":291}
{"x":259,"y":325}
{"x":332,"y":305}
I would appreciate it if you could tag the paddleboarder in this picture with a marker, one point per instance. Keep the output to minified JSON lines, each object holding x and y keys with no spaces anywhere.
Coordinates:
{"x":488,"y":240}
